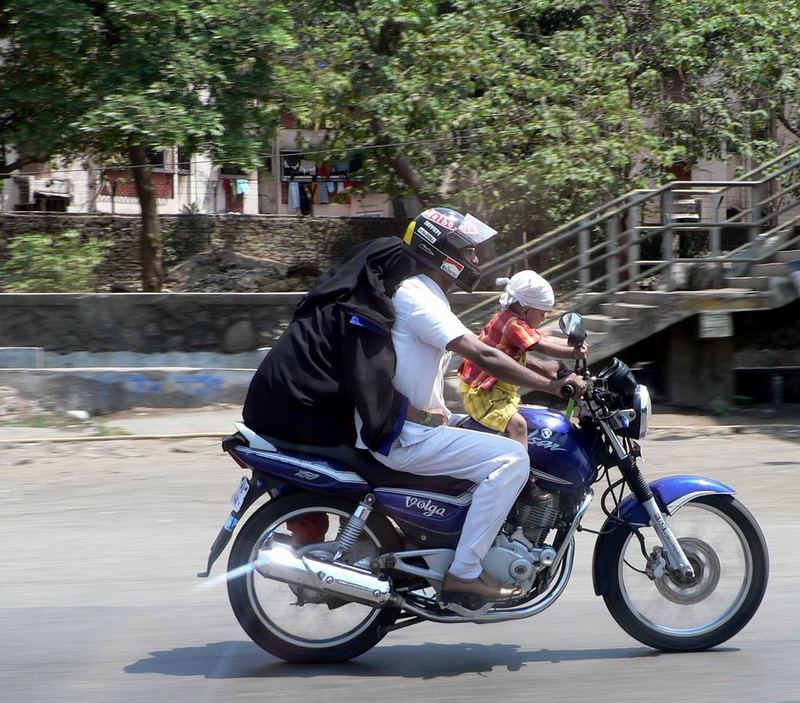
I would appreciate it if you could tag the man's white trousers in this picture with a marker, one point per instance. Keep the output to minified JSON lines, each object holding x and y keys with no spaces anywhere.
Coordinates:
{"x":499,"y":465}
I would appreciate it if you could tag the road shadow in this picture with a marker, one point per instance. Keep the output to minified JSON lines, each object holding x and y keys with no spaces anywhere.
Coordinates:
{"x":241,"y":660}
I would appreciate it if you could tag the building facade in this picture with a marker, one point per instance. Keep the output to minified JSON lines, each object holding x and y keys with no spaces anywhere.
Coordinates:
{"x":292,"y":181}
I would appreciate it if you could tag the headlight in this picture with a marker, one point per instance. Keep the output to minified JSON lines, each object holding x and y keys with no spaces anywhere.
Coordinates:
{"x":643,"y":407}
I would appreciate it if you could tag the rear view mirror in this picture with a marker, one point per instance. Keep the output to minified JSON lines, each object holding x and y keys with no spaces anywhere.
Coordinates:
{"x":571,"y":324}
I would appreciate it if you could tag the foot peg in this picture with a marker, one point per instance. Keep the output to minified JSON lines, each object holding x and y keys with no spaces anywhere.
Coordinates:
{"x":468,"y":592}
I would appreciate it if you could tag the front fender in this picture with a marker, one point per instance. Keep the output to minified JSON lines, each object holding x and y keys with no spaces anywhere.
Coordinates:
{"x":670,"y":494}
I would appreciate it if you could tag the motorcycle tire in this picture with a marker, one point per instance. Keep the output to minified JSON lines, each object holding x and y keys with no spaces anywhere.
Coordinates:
{"x":254,"y":616}
{"x":668,"y":594}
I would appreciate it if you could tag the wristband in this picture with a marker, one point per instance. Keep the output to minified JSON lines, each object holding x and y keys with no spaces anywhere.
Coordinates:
{"x":426,"y":418}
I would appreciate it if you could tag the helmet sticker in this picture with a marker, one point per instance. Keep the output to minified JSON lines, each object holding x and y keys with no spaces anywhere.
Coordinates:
{"x":427,"y":236}
{"x":452,"y":267}
{"x":440,"y":218}
{"x":424,"y":247}
{"x":409,"y":233}
{"x":432,"y":227}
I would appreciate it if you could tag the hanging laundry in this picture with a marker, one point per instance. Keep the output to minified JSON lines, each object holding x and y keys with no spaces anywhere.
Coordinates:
{"x":355,"y":163}
{"x":324,"y":197}
{"x":305,"y":201}
{"x":226,"y":185}
{"x":242,"y":186}
{"x":294,"y":196}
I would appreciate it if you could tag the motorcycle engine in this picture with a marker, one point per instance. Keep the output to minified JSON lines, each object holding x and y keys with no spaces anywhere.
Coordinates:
{"x":535,"y":513}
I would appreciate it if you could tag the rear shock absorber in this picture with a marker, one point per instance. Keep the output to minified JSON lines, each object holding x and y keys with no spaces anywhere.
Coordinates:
{"x":355,"y":525}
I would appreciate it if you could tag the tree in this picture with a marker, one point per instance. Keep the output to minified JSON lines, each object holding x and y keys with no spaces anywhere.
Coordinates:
{"x":116,"y":78}
{"x":531,"y":112}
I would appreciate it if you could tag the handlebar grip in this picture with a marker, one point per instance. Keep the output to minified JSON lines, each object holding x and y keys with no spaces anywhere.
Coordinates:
{"x":568,"y":390}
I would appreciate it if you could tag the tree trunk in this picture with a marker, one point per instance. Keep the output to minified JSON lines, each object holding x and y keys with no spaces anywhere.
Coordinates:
{"x":152,"y":268}
{"x":400,"y":165}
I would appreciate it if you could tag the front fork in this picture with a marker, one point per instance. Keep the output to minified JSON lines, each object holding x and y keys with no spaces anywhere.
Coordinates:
{"x":676,"y":557}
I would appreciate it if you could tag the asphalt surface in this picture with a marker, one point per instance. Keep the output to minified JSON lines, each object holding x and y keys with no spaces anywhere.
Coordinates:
{"x":101,"y":541}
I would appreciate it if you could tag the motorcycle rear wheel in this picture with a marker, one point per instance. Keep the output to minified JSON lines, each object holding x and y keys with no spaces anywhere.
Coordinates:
{"x":268,"y":610}
{"x":727,"y":550}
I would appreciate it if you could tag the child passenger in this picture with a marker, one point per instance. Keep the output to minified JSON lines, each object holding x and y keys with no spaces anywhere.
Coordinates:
{"x":523,"y":304}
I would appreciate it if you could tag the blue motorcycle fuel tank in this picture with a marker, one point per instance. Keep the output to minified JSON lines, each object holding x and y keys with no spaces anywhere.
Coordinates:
{"x":556,"y":448}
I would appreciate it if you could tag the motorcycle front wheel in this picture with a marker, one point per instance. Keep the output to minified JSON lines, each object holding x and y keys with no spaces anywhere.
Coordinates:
{"x":292,"y":622}
{"x":728,"y":554}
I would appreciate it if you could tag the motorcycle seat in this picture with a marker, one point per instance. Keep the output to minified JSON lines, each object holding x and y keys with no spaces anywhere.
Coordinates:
{"x":371,"y":470}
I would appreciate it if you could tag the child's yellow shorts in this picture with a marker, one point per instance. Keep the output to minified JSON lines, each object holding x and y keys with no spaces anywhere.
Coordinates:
{"x":492,"y":408}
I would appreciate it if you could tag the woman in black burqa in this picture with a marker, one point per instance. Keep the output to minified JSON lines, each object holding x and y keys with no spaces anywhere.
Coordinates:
{"x":336,"y":356}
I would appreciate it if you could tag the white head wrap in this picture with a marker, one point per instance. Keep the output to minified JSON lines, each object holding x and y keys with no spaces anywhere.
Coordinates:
{"x":527,"y":288}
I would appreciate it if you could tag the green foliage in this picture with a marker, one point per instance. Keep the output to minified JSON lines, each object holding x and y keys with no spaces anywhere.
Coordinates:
{"x":46,"y":263}
{"x":527,"y":113}
{"x":113,"y":78}
{"x":98,"y":76}
{"x":532,"y":112}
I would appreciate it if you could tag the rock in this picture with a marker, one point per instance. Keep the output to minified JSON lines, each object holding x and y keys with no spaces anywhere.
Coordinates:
{"x":14,"y":406}
{"x":78,"y":415}
{"x":223,"y":270}
{"x":239,"y":337}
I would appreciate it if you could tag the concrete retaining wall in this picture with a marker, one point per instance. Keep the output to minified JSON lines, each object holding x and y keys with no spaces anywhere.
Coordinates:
{"x":318,"y":241}
{"x":148,"y":323}
{"x":144,"y":322}
{"x":104,"y":390}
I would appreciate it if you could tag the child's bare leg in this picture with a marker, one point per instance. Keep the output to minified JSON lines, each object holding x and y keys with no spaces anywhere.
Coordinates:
{"x":517,"y":429}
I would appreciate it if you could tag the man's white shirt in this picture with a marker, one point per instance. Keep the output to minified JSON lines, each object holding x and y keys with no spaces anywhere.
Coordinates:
{"x":424,"y":325}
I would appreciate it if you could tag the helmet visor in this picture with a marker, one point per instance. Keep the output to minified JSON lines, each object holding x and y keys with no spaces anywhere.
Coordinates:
{"x":474,"y":231}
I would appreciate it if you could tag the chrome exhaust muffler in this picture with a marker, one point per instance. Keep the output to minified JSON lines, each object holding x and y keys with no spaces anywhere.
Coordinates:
{"x":279,"y":562}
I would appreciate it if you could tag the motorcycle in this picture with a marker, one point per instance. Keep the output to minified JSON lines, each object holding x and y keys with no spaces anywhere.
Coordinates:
{"x":345,"y":550}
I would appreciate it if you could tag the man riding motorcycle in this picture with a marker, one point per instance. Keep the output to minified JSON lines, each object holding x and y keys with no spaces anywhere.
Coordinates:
{"x":424,"y":331}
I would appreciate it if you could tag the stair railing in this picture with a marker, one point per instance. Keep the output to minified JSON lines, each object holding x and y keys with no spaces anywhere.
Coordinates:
{"x":601,"y":250}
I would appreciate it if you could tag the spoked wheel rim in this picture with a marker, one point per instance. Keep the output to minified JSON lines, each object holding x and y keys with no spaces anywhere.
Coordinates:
{"x":723,"y":564}
{"x":312,"y":624}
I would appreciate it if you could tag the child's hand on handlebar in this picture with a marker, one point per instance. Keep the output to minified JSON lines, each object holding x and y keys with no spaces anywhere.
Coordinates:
{"x":581,"y":351}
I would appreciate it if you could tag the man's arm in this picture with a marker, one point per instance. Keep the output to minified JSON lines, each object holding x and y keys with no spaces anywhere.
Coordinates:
{"x":505,"y":369}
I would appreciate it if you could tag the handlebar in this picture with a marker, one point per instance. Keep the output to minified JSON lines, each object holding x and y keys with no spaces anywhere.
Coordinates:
{"x":568,"y":390}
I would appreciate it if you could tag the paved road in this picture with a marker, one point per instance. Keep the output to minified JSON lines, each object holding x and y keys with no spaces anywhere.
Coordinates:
{"x":98,"y":599}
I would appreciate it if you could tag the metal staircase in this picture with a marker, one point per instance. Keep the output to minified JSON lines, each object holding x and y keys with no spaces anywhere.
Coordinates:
{"x":650,"y":258}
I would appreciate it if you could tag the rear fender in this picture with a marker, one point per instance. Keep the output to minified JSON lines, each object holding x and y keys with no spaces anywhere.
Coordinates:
{"x":670,"y":494}
{"x":259,"y":484}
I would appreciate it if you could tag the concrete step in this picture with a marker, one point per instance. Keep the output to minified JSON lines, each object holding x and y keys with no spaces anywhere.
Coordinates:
{"x":788,"y":255}
{"x":625,"y":310}
{"x":596,"y":340}
{"x":750,"y":282}
{"x":773,"y":269}
{"x":21,"y":357}
{"x":600,"y":323}
{"x":642,"y":297}
{"x":103,"y":390}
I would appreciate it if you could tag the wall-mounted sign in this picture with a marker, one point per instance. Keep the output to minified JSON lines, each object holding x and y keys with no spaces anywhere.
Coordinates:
{"x":715,"y":325}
